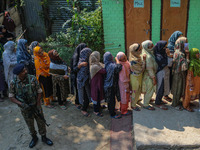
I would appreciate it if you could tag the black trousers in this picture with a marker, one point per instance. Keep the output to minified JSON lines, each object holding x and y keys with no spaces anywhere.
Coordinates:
{"x":160,"y":94}
{"x":111,"y":100}
{"x":58,"y":94}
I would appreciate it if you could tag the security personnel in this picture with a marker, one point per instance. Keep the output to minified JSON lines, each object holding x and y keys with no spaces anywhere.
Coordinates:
{"x":26,"y":92}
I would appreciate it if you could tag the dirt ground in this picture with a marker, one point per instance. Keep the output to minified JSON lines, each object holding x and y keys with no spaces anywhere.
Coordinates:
{"x":69,"y":129}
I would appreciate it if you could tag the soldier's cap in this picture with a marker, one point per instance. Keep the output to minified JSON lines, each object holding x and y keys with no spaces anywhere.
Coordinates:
{"x":18,"y":69}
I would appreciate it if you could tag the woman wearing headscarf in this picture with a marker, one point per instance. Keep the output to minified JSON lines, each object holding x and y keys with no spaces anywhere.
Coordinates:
{"x":171,"y":44}
{"x":6,"y":36}
{"x":23,"y":56}
{"x":124,"y":82}
{"x":32,"y":46}
{"x":83,"y":78}
{"x":149,"y":76}
{"x":111,"y":85}
{"x":179,"y":68}
{"x":75,"y":69}
{"x":97,"y":81}
{"x":8,"y":22}
{"x":172,"y":40}
{"x":59,"y":71}
{"x":42,"y":64}
{"x":137,"y":68}
{"x":163,"y":60}
{"x":192,"y":90}
{"x":9,"y":61}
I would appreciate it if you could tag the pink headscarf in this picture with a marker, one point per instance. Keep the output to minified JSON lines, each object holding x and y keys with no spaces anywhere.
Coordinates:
{"x":124,"y":74}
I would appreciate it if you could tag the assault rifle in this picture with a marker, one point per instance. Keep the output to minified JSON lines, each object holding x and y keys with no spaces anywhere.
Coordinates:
{"x":34,"y":110}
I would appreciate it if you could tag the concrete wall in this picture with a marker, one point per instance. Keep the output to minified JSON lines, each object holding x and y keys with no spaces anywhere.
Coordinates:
{"x":113,"y":24}
{"x":193,"y":33}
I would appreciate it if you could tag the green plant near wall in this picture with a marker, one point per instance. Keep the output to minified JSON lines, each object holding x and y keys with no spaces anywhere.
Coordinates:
{"x":86,"y":27}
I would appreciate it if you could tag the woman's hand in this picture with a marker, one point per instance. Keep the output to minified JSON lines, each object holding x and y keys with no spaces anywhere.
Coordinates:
{"x":82,"y":64}
{"x":117,"y":61}
{"x":65,"y":76}
{"x":144,"y":57}
{"x":154,"y":81}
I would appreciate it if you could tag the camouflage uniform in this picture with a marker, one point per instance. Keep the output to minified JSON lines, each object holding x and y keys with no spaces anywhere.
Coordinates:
{"x":26,"y":92}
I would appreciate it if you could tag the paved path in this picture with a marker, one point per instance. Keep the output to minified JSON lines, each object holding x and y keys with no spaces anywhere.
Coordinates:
{"x":120,"y":137}
{"x":166,"y":129}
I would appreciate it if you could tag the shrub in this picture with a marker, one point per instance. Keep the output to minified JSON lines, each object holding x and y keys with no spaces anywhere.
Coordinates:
{"x":86,"y":27}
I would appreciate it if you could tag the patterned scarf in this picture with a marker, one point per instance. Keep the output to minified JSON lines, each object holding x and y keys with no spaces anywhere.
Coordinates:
{"x":135,"y":59}
{"x":55,"y":59}
{"x":76,"y":55}
{"x":194,"y":62}
{"x":33,"y":45}
{"x":180,"y":62}
{"x":42,"y":63}
{"x":173,"y":39}
{"x":23,"y":55}
{"x":83,"y":74}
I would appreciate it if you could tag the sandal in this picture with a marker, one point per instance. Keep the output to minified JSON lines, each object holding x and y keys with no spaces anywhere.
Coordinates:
{"x":161,"y":106}
{"x":126,"y":114}
{"x":104,"y":106}
{"x":149,"y":107}
{"x":49,"y":106}
{"x":116,"y":117}
{"x":136,"y":108}
{"x":179,"y":108}
{"x":98,"y":114}
{"x":86,"y":114}
{"x":189,"y":109}
{"x":63,"y":107}
{"x":152,"y":100}
{"x":162,"y":102}
{"x":167,"y":98}
{"x":78,"y":106}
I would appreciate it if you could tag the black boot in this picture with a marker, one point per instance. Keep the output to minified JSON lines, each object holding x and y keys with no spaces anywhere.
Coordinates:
{"x":46,"y":140}
{"x":33,"y":141}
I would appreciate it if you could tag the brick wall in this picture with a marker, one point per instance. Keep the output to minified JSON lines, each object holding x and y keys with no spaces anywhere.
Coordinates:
{"x":193,"y":33}
{"x":113,"y":24}
{"x":156,"y":16}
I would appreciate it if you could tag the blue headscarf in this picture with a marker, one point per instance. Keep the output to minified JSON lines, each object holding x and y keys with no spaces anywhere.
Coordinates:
{"x":84,"y":73}
{"x":110,"y":68}
{"x":160,"y":55}
{"x":23,"y":56}
{"x":32,"y":46}
{"x":9,"y":60}
{"x":172,"y":40}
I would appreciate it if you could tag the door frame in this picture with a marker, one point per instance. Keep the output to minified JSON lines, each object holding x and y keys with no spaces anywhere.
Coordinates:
{"x":125,"y":22}
{"x":161,"y":18}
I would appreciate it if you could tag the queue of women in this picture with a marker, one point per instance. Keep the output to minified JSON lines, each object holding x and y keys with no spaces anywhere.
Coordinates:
{"x":161,"y":68}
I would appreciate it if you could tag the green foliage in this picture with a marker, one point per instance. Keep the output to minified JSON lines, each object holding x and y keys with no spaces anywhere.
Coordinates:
{"x":59,"y":41}
{"x":86,"y":27}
